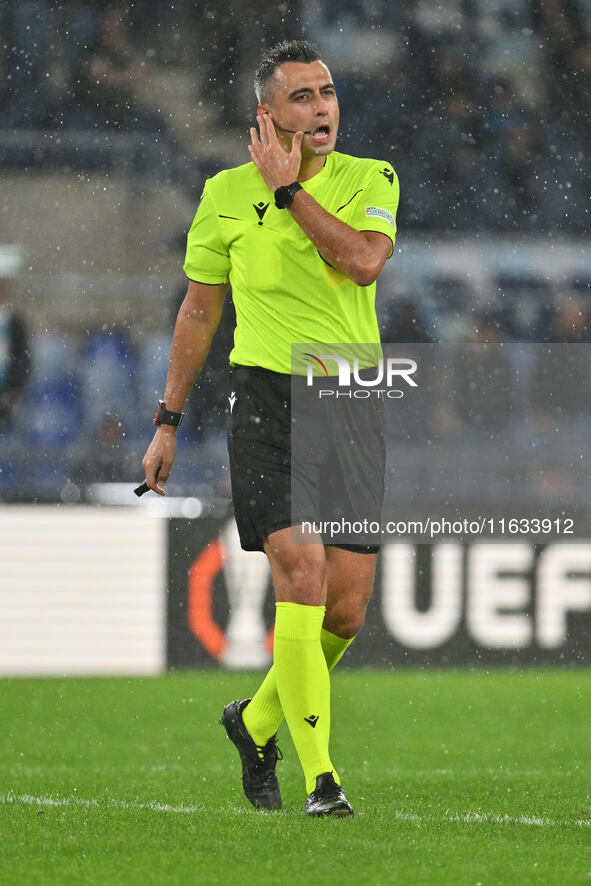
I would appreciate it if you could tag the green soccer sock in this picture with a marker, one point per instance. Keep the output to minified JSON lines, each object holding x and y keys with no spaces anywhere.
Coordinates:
{"x":333,"y":647}
{"x":264,"y":714}
{"x":303,"y":685}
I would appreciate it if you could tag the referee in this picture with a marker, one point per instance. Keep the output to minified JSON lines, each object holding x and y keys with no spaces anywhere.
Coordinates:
{"x":301,"y":233}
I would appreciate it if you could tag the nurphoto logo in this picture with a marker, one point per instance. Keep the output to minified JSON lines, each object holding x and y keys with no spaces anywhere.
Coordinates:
{"x":388,"y":371}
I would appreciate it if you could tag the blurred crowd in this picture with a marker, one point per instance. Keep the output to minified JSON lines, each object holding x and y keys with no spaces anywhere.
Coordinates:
{"x":481,"y":106}
{"x":76,"y":408}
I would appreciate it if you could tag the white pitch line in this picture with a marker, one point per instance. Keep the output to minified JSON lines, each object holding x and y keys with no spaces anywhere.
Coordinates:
{"x":471,"y":773}
{"x":464,"y":818}
{"x":7,"y":799}
{"x":496,"y":818}
{"x":487,"y":818}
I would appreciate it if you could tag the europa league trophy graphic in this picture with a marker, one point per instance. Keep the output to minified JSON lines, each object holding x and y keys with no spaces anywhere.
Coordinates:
{"x":247,"y":578}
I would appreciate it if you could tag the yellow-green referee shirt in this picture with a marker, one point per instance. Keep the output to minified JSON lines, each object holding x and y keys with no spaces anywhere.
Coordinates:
{"x":283,"y":290}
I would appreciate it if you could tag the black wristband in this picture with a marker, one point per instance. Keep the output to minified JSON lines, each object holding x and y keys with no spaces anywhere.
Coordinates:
{"x":285,"y":194}
{"x":165,"y":417}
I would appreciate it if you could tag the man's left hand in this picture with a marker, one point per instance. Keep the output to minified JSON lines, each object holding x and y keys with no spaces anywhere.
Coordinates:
{"x":277,"y":166}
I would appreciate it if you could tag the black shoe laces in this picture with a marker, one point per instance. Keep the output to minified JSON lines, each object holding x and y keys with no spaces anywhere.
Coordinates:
{"x":269,"y":754}
{"x":265,"y":760}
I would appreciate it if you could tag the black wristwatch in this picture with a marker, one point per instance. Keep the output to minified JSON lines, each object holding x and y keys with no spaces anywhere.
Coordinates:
{"x":285,"y":194}
{"x":165,"y":417}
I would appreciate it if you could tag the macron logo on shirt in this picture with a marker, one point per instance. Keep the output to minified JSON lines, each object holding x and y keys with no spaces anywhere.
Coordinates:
{"x":377,"y":212}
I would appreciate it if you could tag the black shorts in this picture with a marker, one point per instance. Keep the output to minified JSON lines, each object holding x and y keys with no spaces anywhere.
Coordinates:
{"x":259,"y":444}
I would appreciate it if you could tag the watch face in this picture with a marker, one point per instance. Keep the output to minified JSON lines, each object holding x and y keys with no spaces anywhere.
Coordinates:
{"x":285,"y":194}
{"x":283,"y":197}
{"x":165,"y":417}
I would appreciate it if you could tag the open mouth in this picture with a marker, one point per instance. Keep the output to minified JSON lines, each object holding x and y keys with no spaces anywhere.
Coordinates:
{"x":321,"y":134}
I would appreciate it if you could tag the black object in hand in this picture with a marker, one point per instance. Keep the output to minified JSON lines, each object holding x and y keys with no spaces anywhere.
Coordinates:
{"x":139,"y":490}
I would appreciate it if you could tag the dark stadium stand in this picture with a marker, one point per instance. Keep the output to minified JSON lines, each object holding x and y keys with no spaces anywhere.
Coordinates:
{"x":480,"y":107}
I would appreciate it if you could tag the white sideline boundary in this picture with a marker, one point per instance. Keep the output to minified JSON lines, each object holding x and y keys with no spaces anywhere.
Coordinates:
{"x":108,"y":802}
{"x":154,"y":806}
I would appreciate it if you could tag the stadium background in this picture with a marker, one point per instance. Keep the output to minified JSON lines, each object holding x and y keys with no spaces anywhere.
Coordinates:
{"x":111,"y":117}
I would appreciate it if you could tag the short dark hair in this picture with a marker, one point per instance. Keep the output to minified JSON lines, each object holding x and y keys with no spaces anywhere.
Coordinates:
{"x":286,"y":51}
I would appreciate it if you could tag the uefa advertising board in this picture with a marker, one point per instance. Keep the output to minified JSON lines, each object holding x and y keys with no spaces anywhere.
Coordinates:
{"x":467,"y":462}
{"x":447,"y":603}
{"x":87,"y":590}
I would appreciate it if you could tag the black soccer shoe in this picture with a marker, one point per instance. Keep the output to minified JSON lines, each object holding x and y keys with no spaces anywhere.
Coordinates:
{"x":328,"y":798}
{"x":259,"y":778}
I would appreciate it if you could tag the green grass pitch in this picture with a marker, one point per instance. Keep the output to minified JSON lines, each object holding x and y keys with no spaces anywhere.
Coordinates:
{"x":457,"y":777}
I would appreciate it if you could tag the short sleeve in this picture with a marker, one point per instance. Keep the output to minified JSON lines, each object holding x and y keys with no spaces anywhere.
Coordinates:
{"x":378,"y":203}
{"x":207,"y":259}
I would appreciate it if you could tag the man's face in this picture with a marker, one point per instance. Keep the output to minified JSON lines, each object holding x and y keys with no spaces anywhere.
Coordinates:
{"x":303,"y":97}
